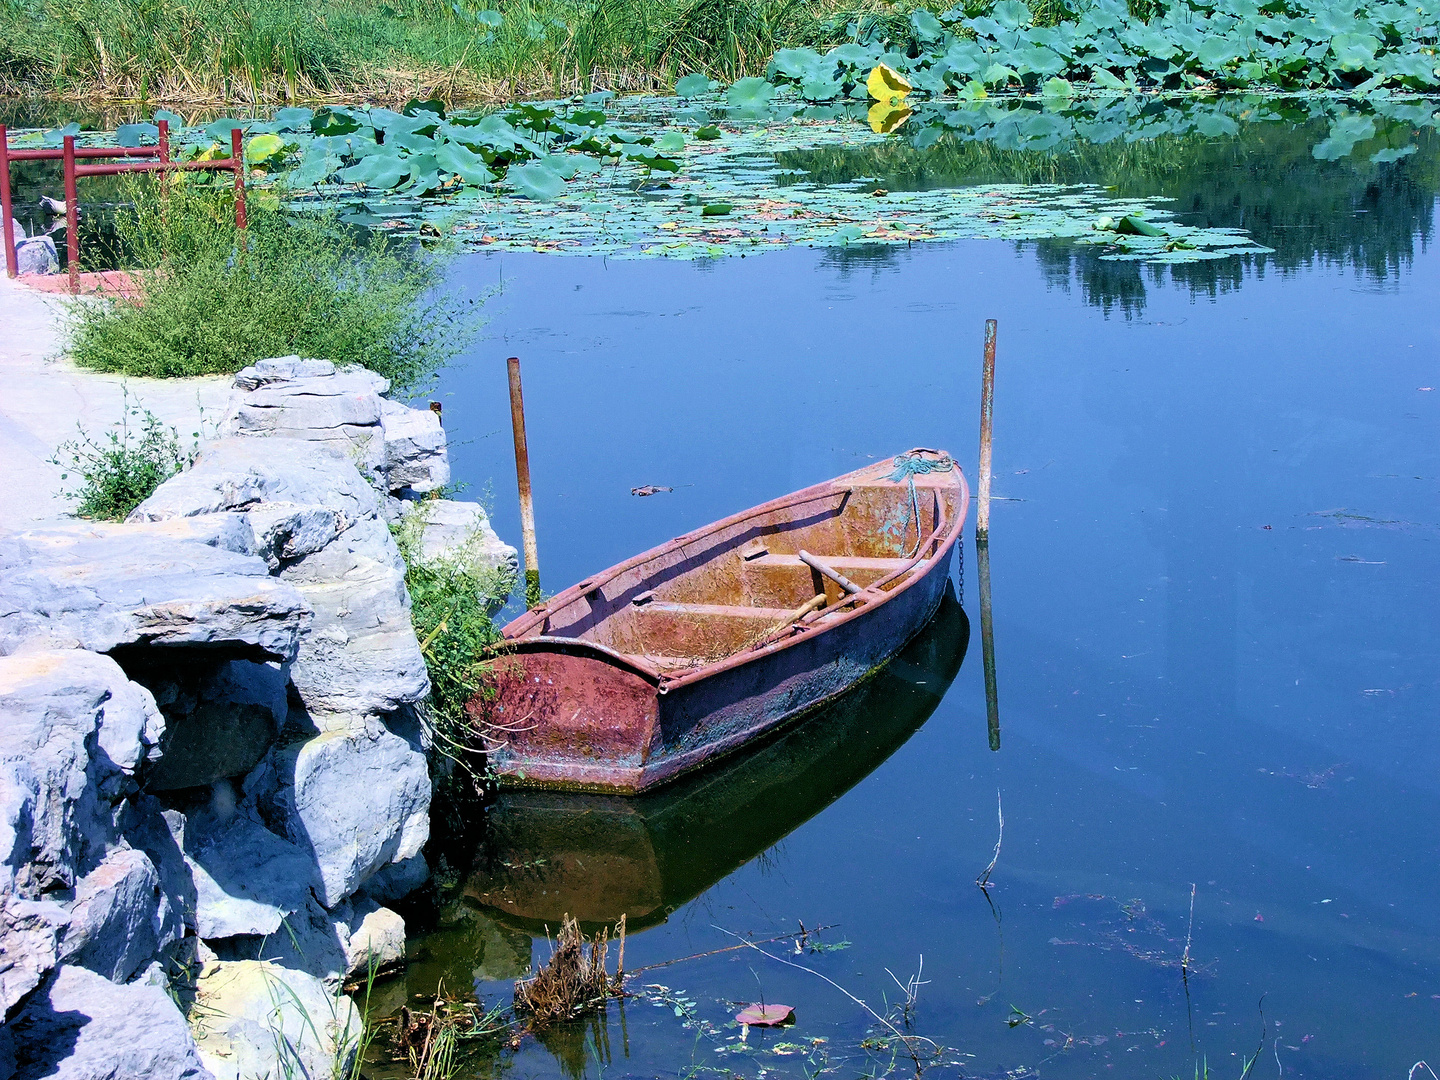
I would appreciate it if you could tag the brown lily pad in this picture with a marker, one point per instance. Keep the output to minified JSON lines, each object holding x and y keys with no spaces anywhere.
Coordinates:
{"x":766,"y":1015}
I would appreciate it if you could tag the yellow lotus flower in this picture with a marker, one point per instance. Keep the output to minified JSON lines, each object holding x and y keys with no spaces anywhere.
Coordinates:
{"x":886,"y":84}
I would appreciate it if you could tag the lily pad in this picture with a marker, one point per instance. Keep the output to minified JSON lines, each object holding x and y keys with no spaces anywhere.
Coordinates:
{"x":536,"y":181}
{"x":766,"y":1015}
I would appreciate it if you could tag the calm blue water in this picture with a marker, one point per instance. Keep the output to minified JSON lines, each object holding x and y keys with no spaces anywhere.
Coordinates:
{"x":1216,"y":632}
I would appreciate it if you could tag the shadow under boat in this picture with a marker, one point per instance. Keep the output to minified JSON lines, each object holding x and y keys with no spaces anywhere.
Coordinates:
{"x":596,"y":857}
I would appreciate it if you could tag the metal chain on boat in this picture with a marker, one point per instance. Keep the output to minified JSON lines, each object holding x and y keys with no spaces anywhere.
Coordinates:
{"x":907,"y":467}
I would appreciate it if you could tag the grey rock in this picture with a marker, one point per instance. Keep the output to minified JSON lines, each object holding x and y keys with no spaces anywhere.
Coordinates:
{"x":310,"y":940}
{"x":83,"y":1027}
{"x":280,"y":369}
{"x":37,"y":255}
{"x":120,"y":917}
{"x":397,"y":880}
{"x":262,"y":1020}
{"x":17,"y":231}
{"x":284,"y":532}
{"x":56,"y":795}
{"x":70,"y":585}
{"x":248,"y":881}
{"x":238,"y":474}
{"x":356,"y":802}
{"x":29,"y":946}
{"x":399,"y":448}
{"x":415,"y":455}
{"x":221,"y":716}
{"x":146,"y":826}
{"x":362,"y":657}
{"x":373,"y":935}
{"x":230,"y":531}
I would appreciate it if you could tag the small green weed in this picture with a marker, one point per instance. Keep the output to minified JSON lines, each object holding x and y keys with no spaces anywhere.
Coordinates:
{"x":117,"y":472}
{"x":215,"y":299}
{"x":451,"y":597}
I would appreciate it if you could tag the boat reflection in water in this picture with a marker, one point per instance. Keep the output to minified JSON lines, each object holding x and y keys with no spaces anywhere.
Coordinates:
{"x":596,"y":857}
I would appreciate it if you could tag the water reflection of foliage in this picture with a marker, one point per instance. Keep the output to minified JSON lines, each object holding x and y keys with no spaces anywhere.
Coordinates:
{"x":1270,"y":175}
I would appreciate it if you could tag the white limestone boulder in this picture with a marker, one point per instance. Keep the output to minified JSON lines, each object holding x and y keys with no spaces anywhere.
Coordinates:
{"x":355,"y":801}
{"x":256,"y":1019}
{"x":76,"y":585}
{"x":120,"y":917}
{"x":81,"y":1026}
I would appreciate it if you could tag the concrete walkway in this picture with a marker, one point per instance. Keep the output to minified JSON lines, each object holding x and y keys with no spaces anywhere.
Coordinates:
{"x":43,"y":396}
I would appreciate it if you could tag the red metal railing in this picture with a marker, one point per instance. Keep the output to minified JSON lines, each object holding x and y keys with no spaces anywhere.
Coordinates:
{"x":70,"y":156}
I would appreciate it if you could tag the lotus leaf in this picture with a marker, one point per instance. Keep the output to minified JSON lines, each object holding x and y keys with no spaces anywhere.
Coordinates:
{"x":136,"y":134}
{"x":819,"y":89}
{"x":262,"y":149}
{"x":466,"y":164}
{"x":294,"y":119}
{"x":220,"y":129}
{"x":749,"y":93}
{"x":415,"y":106}
{"x":887,"y":116}
{"x":317,"y":165}
{"x":707,"y":133}
{"x":490,"y":18}
{"x":1057,"y":88}
{"x":1354,"y":52}
{"x":927,"y":26}
{"x":333,"y":122}
{"x":1011,"y":14}
{"x":799,"y":64}
{"x":169,"y":117}
{"x":670,"y":142}
{"x":716,"y":210}
{"x":536,"y":181}
{"x":377,"y":171}
{"x":1386,"y":156}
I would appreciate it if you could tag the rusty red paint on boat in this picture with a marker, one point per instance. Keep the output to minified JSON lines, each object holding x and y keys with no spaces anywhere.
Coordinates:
{"x":687,"y":652}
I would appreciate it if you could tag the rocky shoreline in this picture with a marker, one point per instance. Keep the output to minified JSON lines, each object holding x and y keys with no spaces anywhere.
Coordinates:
{"x":214,"y":762}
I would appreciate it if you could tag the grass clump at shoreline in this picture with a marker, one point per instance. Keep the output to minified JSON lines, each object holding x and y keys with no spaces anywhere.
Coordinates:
{"x":214,"y":299}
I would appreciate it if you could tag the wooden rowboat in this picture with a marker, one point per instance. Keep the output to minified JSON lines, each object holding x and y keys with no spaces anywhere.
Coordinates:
{"x":551,"y":854}
{"x":681,"y":655}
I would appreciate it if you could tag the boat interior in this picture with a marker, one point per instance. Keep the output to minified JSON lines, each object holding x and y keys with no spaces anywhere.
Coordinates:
{"x":748,"y":582}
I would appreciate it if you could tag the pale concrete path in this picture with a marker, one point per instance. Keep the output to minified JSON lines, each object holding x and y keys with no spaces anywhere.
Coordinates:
{"x":43,"y":396}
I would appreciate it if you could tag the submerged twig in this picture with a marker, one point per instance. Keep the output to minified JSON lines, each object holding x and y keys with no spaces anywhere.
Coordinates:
{"x":904,"y":1038}
{"x":984,"y":879}
{"x":732,"y":948}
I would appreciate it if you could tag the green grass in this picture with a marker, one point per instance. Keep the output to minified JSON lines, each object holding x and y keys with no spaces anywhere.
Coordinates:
{"x":214,"y":300}
{"x":450,"y":602}
{"x":115,"y":473}
{"x":272,"y":50}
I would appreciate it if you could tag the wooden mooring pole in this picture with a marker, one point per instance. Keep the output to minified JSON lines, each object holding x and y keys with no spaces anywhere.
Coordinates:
{"x":987,"y":411}
{"x":982,"y":535}
{"x":522,"y":476}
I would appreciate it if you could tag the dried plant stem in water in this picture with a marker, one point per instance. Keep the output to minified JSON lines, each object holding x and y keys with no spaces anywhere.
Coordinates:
{"x":984,"y":879}
{"x":574,"y":981}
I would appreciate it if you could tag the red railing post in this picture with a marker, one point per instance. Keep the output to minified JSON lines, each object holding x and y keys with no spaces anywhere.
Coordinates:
{"x":7,"y":216}
{"x":164,"y":139}
{"x":72,"y":216}
{"x":237,"y":153}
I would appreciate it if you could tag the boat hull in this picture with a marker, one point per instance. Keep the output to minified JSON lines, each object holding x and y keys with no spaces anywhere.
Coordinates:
{"x":572,"y":714}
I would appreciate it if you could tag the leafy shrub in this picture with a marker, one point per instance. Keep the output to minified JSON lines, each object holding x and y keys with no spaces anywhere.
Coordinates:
{"x":451,"y":598}
{"x":214,"y":299}
{"x":119,"y":471}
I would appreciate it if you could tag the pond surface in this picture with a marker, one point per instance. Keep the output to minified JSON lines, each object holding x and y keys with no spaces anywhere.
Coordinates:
{"x":1216,"y":636}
